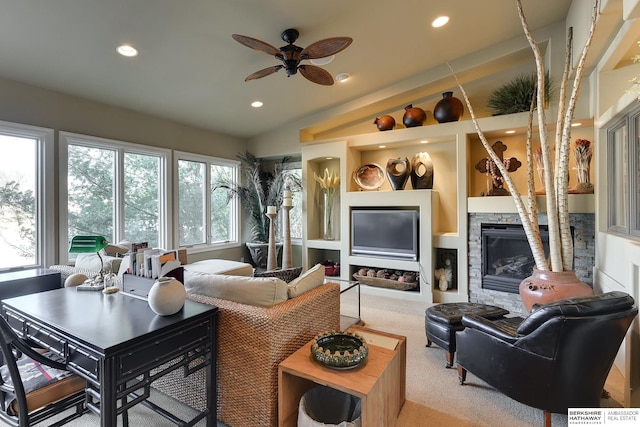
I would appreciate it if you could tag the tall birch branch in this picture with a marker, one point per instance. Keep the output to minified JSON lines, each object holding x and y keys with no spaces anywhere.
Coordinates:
{"x":555,"y":244}
{"x":565,"y":145}
{"x":533,"y":235}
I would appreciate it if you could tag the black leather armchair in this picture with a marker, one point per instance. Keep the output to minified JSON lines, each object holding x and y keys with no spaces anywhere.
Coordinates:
{"x":557,"y":358}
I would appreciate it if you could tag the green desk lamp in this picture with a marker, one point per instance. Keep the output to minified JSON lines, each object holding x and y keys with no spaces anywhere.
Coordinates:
{"x":87,"y":244}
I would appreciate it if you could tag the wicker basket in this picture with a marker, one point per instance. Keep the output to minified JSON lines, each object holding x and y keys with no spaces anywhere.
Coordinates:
{"x":385,"y":283}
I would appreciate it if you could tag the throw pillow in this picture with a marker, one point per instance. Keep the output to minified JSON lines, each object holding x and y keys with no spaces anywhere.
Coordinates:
{"x":91,"y":262}
{"x":257,"y":291}
{"x":308,"y":280}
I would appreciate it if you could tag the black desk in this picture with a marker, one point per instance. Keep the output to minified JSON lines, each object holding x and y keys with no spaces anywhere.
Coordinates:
{"x":117,"y":343}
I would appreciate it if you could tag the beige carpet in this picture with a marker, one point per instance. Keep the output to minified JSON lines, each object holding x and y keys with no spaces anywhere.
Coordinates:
{"x":434,"y":397}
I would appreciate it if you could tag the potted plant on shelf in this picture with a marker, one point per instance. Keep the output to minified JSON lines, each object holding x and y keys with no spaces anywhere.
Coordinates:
{"x":260,"y":186}
{"x":552,"y":278}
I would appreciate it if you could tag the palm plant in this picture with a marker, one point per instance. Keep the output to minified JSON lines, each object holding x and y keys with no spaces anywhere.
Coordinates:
{"x":260,"y":187}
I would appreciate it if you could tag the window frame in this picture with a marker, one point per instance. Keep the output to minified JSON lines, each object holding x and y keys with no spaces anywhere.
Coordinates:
{"x":235,"y":203}
{"x":630,"y":122}
{"x":45,"y":195}
{"x":121,"y":147}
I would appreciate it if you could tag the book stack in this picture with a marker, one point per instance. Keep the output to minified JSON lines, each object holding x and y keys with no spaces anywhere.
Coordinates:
{"x":151,"y":262}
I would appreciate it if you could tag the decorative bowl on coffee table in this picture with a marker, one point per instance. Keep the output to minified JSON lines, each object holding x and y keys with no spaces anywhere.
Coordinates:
{"x":339,"y":350}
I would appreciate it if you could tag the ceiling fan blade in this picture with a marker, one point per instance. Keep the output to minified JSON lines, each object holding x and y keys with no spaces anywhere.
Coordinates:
{"x":256,"y":44}
{"x":316,"y":74}
{"x":263,"y":73}
{"x":326,"y":47}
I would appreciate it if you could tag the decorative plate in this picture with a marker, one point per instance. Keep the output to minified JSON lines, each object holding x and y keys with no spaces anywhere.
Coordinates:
{"x":369,"y":176}
{"x":339,"y":350}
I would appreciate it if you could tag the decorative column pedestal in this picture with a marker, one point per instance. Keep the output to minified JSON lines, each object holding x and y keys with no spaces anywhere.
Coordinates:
{"x":272,"y":255}
{"x":287,"y":260}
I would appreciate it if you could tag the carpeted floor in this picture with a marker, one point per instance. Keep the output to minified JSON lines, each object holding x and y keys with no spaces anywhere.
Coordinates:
{"x":434,"y":397}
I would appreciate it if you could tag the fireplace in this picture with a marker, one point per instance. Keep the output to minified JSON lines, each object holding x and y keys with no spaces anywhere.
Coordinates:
{"x":582,"y":229}
{"x":506,"y":256}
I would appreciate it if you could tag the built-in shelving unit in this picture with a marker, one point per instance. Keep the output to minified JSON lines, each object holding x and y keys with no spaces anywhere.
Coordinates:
{"x":455,"y":149}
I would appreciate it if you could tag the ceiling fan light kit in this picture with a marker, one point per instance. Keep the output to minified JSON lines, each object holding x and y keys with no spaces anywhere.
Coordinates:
{"x":291,"y":55}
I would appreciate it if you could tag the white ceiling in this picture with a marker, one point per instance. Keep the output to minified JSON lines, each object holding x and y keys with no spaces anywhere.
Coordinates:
{"x":190,"y":69}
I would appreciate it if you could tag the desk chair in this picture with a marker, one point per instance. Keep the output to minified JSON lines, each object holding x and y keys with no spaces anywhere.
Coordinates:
{"x":33,"y":387}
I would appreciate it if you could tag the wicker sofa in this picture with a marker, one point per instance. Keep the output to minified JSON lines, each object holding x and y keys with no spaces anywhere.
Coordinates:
{"x":252,"y":341}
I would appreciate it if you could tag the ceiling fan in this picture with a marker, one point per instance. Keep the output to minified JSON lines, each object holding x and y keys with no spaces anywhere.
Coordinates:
{"x":291,"y":55}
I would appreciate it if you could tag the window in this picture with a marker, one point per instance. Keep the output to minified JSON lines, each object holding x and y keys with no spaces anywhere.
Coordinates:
{"x":206,"y":218}
{"x":114,"y":189}
{"x":295,"y":214}
{"x":623,"y":163}
{"x":26,"y":197}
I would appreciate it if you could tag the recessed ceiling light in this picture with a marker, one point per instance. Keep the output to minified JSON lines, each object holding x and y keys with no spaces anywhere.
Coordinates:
{"x":440,"y":21}
{"x":510,"y":132}
{"x":328,"y":158}
{"x":257,"y":104}
{"x":424,"y":141}
{"x":576,"y":124}
{"x":322,"y":61}
{"x":382,"y":146}
{"x":126,"y":50}
{"x":342,"y":77}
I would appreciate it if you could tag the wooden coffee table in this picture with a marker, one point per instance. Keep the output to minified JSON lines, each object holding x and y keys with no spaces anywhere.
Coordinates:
{"x":379,"y":383}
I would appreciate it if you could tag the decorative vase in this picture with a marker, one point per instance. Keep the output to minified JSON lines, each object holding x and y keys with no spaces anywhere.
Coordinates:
{"x":421,"y":171}
{"x":448,"y":109}
{"x":166,"y":296}
{"x":413,"y":116}
{"x":385,"y":123}
{"x":328,"y":216}
{"x":543,"y":287}
{"x":398,"y":172}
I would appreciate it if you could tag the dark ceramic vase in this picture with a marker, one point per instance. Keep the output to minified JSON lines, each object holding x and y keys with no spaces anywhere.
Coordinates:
{"x":413,"y":116}
{"x":421,"y":171}
{"x":385,"y":123}
{"x":543,"y":287}
{"x":448,"y":109}
{"x":398,"y":172}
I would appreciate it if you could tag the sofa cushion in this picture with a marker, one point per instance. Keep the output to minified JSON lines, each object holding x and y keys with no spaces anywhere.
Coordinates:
{"x":91,"y":261}
{"x":312,"y":278}
{"x":221,"y":266}
{"x":256,"y":291}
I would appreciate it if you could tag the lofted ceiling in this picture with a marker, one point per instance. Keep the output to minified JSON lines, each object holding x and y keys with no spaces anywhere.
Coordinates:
{"x":190,"y":70}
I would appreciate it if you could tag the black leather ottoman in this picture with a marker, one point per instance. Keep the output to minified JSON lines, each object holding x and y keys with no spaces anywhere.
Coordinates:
{"x":442,"y":321}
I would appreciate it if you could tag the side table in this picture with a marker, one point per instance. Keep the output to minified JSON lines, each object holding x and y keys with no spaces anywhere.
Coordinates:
{"x":380,"y":383}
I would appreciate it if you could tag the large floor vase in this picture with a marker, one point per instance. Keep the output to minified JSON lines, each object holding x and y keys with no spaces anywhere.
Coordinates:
{"x":543,"y":287}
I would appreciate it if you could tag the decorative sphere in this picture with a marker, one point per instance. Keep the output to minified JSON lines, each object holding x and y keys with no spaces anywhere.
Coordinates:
{"x":75,"y":279}
{"x":166,"y":296}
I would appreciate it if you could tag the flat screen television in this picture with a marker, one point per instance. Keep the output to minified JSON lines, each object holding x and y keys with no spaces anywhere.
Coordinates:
{"x":389,"y":233}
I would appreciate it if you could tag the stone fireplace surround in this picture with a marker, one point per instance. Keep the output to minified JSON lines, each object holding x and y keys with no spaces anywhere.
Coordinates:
{"x":584,"y":256}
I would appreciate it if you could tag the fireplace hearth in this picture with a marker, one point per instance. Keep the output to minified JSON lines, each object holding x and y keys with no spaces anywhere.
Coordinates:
{"x":506,"y":256}
{"x":583,"y":230}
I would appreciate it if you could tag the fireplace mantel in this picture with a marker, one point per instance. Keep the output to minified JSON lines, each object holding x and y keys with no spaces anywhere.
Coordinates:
{"x":578,"y":203}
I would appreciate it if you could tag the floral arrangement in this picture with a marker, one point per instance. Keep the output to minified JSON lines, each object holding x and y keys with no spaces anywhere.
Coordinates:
{"x":329,"y":183}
